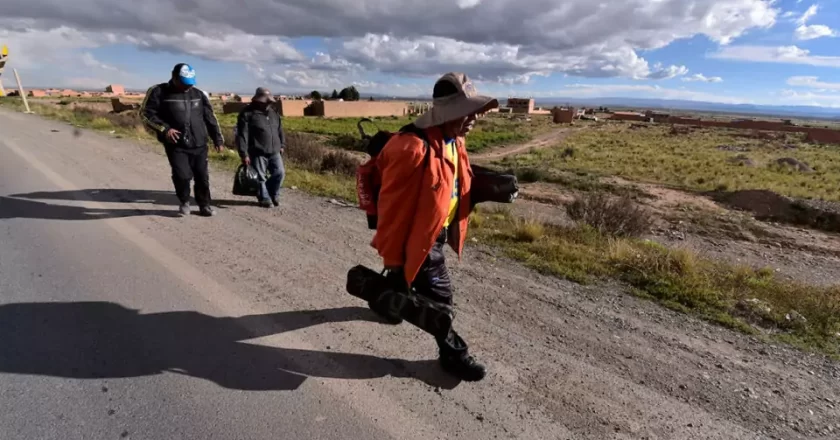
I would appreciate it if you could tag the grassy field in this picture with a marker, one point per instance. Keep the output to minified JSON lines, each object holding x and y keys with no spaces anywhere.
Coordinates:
{"x":703,"y":159}
{"x":601,"y":246}
{"x":750,"y":300}
{"x":491,"y":131}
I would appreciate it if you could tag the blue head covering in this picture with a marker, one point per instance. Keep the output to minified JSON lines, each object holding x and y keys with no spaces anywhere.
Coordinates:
{"x":185,"y":74}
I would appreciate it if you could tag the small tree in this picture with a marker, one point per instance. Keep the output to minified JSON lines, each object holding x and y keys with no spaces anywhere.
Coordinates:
{"x":349,"y":94}
{"x":316,"y":95}
{"x":345,"y":94}
{"x":334,"y":95}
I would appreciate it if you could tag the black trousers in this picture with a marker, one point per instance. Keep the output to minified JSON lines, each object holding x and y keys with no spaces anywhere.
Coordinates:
{"x":434,"y":283}
{"x":189,"y":164}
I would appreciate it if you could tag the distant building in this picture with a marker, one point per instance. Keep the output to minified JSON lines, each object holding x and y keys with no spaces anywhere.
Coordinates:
{"x":115,"y":89}
{"x":521,"y":105}
{"x":563,"y":115}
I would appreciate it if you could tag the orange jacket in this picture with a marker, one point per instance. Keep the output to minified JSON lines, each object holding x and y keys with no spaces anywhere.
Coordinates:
{"x":414,"y":202}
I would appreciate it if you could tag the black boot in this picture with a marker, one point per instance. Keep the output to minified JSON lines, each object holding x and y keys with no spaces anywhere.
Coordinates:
{"x":456,"y":360}
{"x":464,"y":367}
{"x":207,"y":211}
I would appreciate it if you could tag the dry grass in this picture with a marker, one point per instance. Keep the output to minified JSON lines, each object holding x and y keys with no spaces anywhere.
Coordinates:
{"x":702,"y":159}
{"x":491,"y":131}
{"x":753,"y":300}
{"x":619,"y":216}
{"x":308,"y":154}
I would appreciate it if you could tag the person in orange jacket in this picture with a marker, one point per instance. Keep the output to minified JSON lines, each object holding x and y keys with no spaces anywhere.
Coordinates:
{"x":424,"y":203}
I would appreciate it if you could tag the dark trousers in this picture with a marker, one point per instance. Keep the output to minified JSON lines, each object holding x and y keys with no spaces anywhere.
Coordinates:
{"x":269,"y":165}
{"x":189,"y":164}
{"x":434,"y":283}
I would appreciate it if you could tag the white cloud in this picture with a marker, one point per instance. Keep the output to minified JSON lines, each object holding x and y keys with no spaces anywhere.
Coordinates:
{"x":429,"y":56}
{"x":42,"y":56}
{"x":809,"y":14}
{"x":90,"y":61}
{"x":812,"y":82}
{"x":238,"y":48}
{"x":468,"y":4}
{"x":584,"y":90}
{"x":810,"y":32}
{"x":590,"y":39}
{"x":793,"y":97}
{"x":773,"y":54}
{"x":814,"y":31}
{"x":699,"y":77}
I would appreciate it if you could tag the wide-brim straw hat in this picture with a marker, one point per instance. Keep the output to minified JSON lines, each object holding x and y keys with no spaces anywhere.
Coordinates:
{"x":454,"y":97}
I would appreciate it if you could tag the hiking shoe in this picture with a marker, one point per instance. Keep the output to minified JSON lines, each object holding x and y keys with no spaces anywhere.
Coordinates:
{"x":463,"y":367}
{"x":275,"y":201}
{"x":385,"y":315}
{"x":184,"y":209}
{"x":207,"y":211}
{"x":265,"y":203}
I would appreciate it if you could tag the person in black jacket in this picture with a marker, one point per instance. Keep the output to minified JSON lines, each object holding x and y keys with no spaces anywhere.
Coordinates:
{"x":260,"y":141}
{"x":182,"y":117}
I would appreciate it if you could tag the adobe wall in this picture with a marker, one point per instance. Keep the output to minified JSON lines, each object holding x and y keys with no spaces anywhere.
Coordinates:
{"x":356,"y":109}
{"x":563,"y":116}
{"x":823,"y":136}
{"x":233,"y":107}
{"x":623,"y":117}
{"x":685,"y":121}
{"x":292,"y":107}
{"x":722,"y":124}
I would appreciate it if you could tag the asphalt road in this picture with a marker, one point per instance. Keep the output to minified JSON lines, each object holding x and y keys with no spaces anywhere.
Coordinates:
{"x":106,"y":334}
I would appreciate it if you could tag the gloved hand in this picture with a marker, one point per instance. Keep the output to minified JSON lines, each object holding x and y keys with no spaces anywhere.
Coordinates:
{"x":395,"y":277}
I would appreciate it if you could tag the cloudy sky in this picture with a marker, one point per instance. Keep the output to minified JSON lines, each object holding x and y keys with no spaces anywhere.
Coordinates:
{"x":733,"y":51}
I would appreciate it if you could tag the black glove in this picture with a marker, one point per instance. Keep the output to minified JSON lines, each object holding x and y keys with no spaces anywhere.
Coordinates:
{"x":395,"y":279}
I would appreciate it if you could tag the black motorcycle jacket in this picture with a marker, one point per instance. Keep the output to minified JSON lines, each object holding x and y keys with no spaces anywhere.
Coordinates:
{"x":190,"y":112}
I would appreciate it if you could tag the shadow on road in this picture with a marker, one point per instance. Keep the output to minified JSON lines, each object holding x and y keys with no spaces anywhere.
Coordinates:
{"x":91,"y":340}
{"x":28,"y":206}
{"x":20,"y":208}
{"x":113,"y":195}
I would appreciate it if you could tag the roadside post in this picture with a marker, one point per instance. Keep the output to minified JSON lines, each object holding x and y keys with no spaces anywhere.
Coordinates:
{"x":22,"y":92}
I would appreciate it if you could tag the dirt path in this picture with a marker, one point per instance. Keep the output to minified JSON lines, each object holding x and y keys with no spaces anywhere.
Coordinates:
{"x":565,"y":361}
{"x":545,"y":140}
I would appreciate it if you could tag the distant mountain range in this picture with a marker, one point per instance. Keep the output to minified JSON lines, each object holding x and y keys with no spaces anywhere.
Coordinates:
{"x":641,"y":104}
{"x":700,"y":106}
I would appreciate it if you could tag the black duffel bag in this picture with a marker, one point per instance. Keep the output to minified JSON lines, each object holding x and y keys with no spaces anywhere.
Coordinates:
{"x":245,"y":181}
